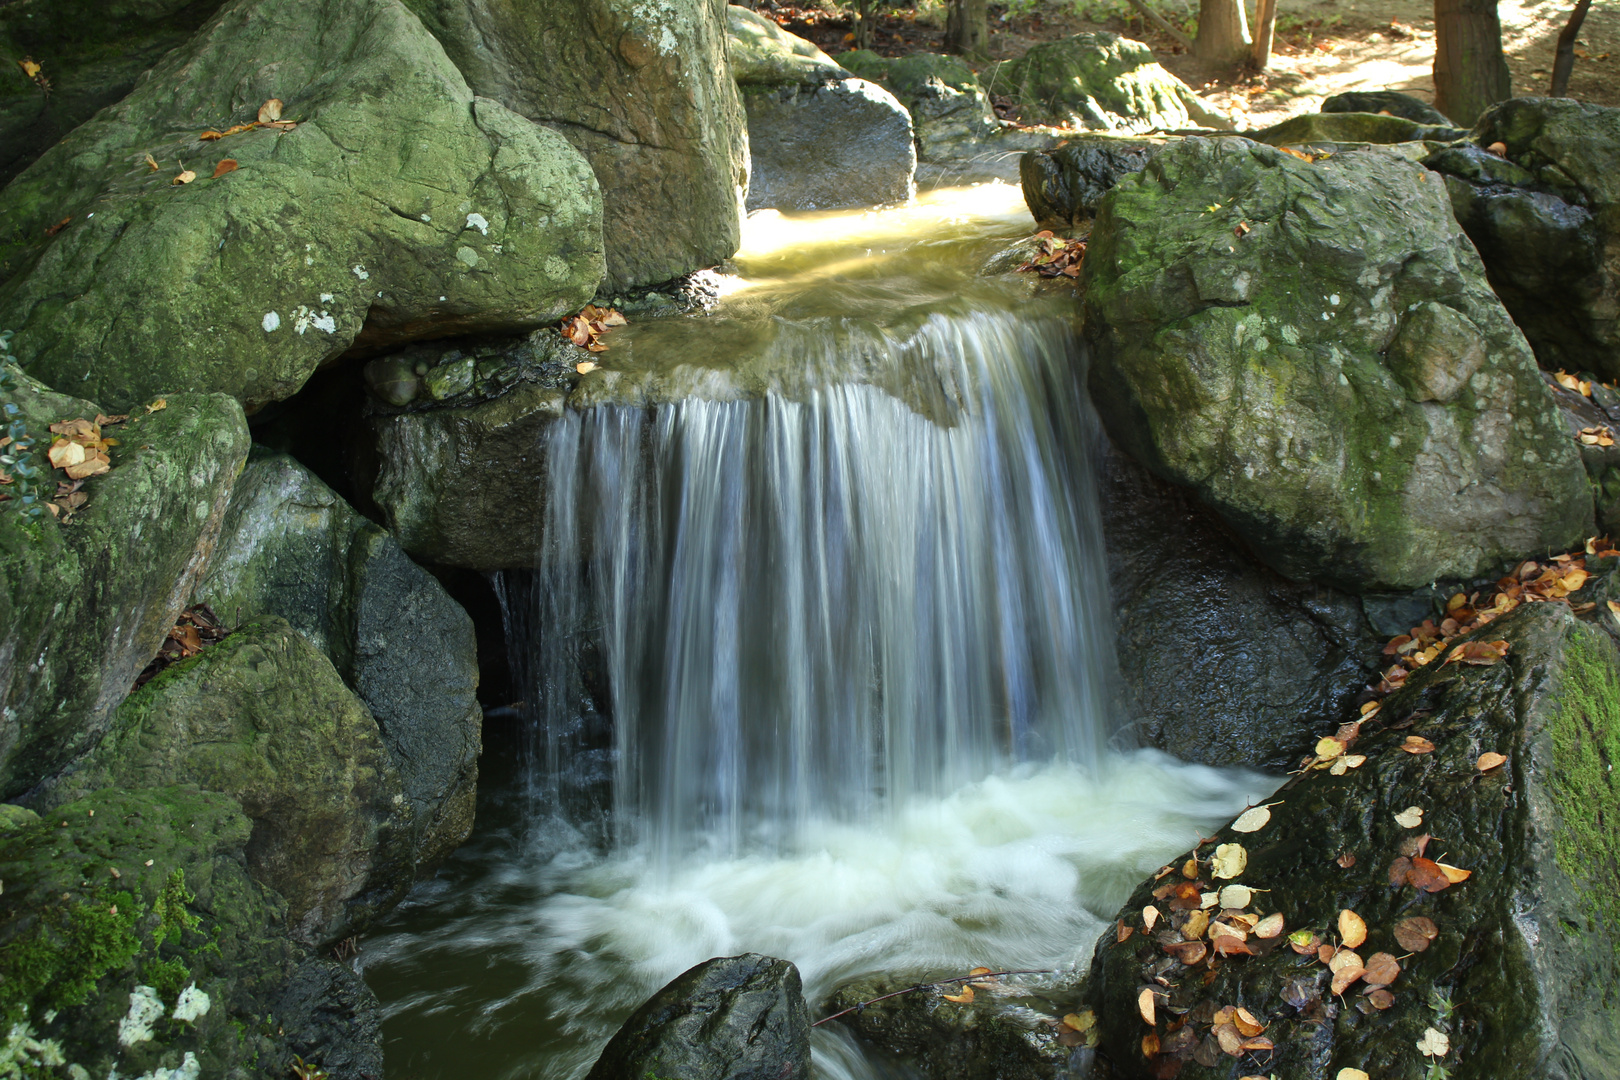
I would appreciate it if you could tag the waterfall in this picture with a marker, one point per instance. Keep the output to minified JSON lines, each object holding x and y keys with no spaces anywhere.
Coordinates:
{"x":826,"y":601}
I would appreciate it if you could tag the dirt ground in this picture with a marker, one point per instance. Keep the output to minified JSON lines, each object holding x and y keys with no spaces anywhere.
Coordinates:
{"x":1323,"y":47}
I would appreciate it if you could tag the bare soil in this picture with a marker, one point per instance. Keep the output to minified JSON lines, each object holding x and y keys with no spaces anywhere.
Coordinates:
{"x":1323,"y":47}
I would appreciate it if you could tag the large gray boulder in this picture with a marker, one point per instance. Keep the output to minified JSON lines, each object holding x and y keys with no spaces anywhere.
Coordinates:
{"x":1515,"y":963}
{"x":85,"y":603}
{"x":643,"y":91}
{"x":336,"y":233}
{"x":949,"y":107}
{"x":1064,"y":186}
{"x":730,"y":1018}
{"x":761,"y":53}
{"x":1313,"y":348}
{"x":1546,"y":221}
{"x":830,"y":147}
{"x":291,"y":547}
{"x":1101,"y":82}
{"x":90,"y":54}
{"x":264,"y":718}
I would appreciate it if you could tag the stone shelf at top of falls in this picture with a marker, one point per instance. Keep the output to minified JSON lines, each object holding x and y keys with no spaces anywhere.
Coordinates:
{"x":813,"y":300}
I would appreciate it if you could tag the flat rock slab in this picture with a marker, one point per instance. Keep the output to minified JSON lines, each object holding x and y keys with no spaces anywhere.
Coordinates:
{"x":832,"y":147}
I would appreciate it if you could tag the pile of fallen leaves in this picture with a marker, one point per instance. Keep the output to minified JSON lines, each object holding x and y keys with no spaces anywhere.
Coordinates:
{"x":1055,"y":257}
{"x":80,"y":451}
{"x":195,"y":630}
{"x":586,"y":328}
{"x":1532,"y":581}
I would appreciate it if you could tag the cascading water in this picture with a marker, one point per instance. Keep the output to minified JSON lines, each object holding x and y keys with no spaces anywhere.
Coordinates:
{"x":818,"y":654}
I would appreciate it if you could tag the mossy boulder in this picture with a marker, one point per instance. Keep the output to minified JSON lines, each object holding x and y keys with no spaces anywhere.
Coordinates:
{"x":341,"y":231}
{"x":1064,"y":185}
{"x":1392,"y":102}
{"x":1546,"y":220}
{"x":132,"y":939}
{"x":264,"y":718}
{"x":830,"y":147}
{"x":291,"y":547}
{"x":949,"y":107}
{"x":1314,"y":349}
{"x":1522,"y":967}
{"x":642,"y":89}
{"x":90,"y":54}
{"x":761,"y":52}
{"x":1101,"y":82}
{"x":86,"y":602}
{"x":1353,"y":127}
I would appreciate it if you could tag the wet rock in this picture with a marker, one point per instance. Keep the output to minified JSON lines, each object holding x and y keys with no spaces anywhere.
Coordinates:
{"x":1546,"y":221}
{"x":1266,"y":331}
{"x":831,"y":147}
{"x":643,"y":90}
{"x":950,"y":110}
{"x":1224,"y":661}
{"x":731,"y":1018}
{"x":331,"y":1019}
{"x":292,"y":548}
{"x":1005,"y":1031}
{"x":333,"y":234}
{"x":1101,"y":82}
{"x":263,"y":718}
{"x":761,"y":53}
{"x":132,"y":939}
{"x":1522,"y":962}
{"x":85,"y":603}
{"x":1392,"y":102}
{"x":90,"y":54}
{"x":1354,"y":127}
{"x":1063,"y":186}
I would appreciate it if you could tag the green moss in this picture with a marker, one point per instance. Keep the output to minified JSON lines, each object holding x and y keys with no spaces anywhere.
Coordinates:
{"x":173,"y":917}
{"x":1586,"y":746}
{"x":60,"y":959}
{"x":167,"y":977}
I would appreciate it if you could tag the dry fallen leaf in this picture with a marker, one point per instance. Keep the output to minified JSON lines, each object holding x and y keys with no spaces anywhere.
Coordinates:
{"x":1352,"y":929}
{"x":1236,"y":896}
{"x":1144,"y":1005}
{"x":1247,"y":1023}
{"x":186,"y":176}
{"x":1150,"y":915}
{"x":1454,"y":874}
{"x":585,"y":367}
{"x":1328,"y":747}
{"x":1081,"y":1021}
{"x":964,"y":998}
{"x":1380,"y":998}
{"x":1345,"y":860}
{"x":1345,"y":976}
{"x":1490,"y":760}
{"x":1189,"y":869}
{"x":1417,"y":744}
{"x":1410,"y":818}
{"x":1434,"y":1044}
{"x":226,"y":165}
{"x":270,"y":111}
{"x":1252,"y":820}
{"x":1382,"y":969}
{"x":1427,"y":875}
{"x":1415,"y":933}
{"x":1229,"y":861}
{"x":1150,"y":1045}
{"x":1209,"y":900}
{"x":1270,"y":926}
{"x":1195,"y":925}
{"x":1351,"y":1074}
{"x":1124,"y":931}
{"x":160,"y":403}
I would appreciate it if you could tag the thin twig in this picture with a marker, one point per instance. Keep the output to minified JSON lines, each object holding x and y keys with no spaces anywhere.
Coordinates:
{"x":927,"y":986}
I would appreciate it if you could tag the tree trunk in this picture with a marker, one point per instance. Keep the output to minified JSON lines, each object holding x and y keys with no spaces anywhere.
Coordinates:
{"x":1265,"y":23}
{"x":1564,"y":57}
{"x":1470,"y":72}
{"x":967,"y":28}
{"x":1223,"y":32}
{"x":863,"y":24}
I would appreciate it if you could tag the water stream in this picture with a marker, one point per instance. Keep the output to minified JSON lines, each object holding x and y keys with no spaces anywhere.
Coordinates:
{"x":817,"y":661}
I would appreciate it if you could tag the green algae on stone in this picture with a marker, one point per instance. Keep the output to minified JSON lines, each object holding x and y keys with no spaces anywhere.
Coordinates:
{"x":1586,"y":746}
{"x":263,"y":718}
{"x":1101,"y":82}
{"x":1268,"y":331}
{"x":477,"y":219}
{"x":84,"y":604}
{"x":1351,"y":127}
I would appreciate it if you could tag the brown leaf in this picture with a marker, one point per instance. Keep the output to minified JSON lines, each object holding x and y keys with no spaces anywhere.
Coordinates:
{"x":1400,"y":871}
{"x":1229,"y":945}
{"x":208,"y":136}
{"x":270,"y":111}
{"x":1144,"y":1005}
{"x":1346,"y":860}
{"x":1415,"y":933}
{"x":1231,"y":1042}
{"x":1490,"y":760}
{"x":1413,"y":846}
{"x":152,"y":163}
{"x":1427,"y":875}
{"x":1454,"y":874}
{"x":186,"y":176}
{"x":1124,"y":931}
{"x":1196,"y":924}
{"x":1381,"y":999}
{"x":1257,"y":1045}
{"x":1188,"y":952}
{"x":1417,"y":744}
{"x":1346,"y":975}
{"x":1189,"y":869}
{"x":1382,"y":969}
{"x":1270,"y":926}
{"x":1352,"y":929}
{"x":226,"y":165}
{"x":1150,"y":1045}
{"x":91,"y":466}
{"x":964,"y":998}
{"x":59,"y":226}
{"x":1247,"y":1023}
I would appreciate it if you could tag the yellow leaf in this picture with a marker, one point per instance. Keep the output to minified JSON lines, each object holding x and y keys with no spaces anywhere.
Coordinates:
{"x":1195,"y":925}
{"x":964,"y":998}
{"x":585,"y":367}
{"x":1352,"y":1074}
{"x":1328,"y":747}
{"x":93,"y":466}
{"x":1081,"y":1021}
{"x":160,"y":403}
{"x":185,"y":177}
{"x":1454,"y":874}
{"x":1229,"y":861}
{"x":29,"y":68}
{"x":1490,"y":760}
{"x":270,"y":110}
{"x":1252,"y":820}
{"x":152,"y":162}
{"x":1144,"y":1005}
{"x":1352,"y":928}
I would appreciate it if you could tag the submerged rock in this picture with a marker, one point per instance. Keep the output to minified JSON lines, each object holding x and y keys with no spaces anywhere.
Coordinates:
{"x":830,"y":147}
{"x":1224,"y":662}
{"x":263,"y":717}
{"x":333,"y":233}
{"x":85,"y":603}
{"x":1546,"y":221}
{"x":731,"y":1018}
{"x":291,"y":547}
{"x":1512,"y":961}
{"x":1102,"y":82}
{"x":1063,"y":186}
{"x":1314,"y":350}
{"x":643,"y":91}
{"x":133,"y":940}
